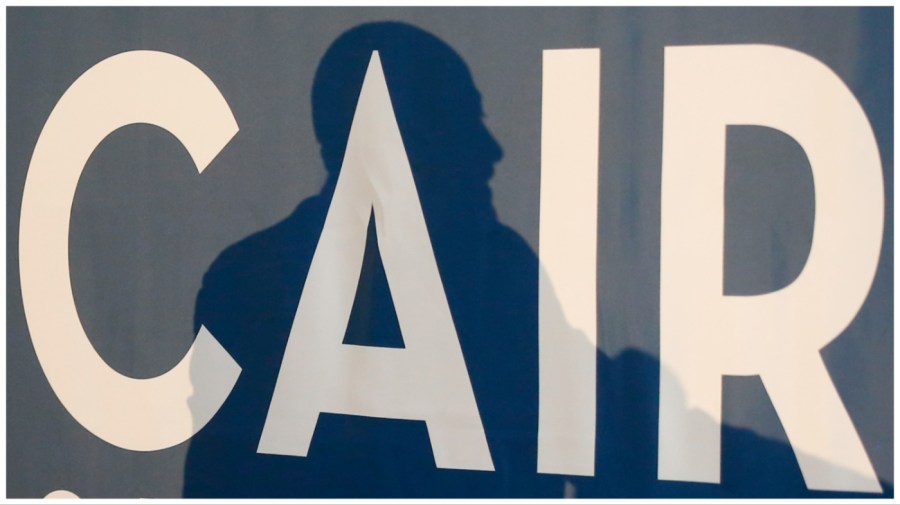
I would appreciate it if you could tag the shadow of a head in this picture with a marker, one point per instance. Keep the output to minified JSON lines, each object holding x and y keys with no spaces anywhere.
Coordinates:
{"x":435,"y":101}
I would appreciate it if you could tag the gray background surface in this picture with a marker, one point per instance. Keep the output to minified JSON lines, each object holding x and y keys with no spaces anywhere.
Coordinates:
{"x":145,"y":226}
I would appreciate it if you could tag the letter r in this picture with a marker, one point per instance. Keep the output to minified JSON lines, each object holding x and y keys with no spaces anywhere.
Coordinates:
{"x":705,"y":334}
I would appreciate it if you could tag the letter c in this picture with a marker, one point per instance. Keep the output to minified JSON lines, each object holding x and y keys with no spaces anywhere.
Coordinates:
{"x":133,"y":87}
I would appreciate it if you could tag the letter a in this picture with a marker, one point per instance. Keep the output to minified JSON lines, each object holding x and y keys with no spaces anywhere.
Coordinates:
{"x":427,"y":380}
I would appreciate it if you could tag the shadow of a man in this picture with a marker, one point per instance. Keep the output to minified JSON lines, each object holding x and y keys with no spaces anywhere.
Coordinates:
{"x":251,"y":292}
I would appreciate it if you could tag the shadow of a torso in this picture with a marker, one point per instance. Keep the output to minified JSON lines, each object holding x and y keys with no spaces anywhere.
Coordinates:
{"x":249,"y":300}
